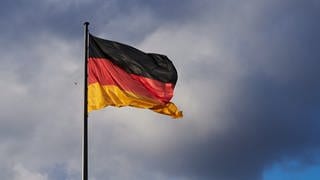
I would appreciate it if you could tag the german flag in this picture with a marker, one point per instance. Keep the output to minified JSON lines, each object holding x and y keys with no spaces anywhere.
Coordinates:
{"x":120,"y":75}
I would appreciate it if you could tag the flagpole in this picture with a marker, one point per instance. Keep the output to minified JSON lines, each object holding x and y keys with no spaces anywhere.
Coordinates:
{"x":85,"y":107}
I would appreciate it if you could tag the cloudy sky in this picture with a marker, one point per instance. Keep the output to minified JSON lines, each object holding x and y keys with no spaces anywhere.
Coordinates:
{"x":248,"y":85}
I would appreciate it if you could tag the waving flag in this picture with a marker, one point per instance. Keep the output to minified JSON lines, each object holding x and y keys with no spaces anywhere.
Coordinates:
{"x":120,"y":75}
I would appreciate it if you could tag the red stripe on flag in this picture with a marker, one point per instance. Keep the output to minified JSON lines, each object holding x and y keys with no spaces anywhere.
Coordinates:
{"x":104,"y":72}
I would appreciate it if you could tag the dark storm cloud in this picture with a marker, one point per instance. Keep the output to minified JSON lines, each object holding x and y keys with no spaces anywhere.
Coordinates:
{"x":21,"y":18}
{"x":274,"y":110}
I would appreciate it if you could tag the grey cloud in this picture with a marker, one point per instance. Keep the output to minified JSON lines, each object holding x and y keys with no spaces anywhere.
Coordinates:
{"x":271,"y":112}
{"x":247,"y":83}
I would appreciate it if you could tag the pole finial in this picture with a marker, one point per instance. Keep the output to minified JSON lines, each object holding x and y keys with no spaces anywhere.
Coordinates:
{"x":86,"y":23}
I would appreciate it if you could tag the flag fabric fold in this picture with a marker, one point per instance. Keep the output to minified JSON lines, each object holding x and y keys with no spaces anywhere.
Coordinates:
{"x":120,"y":75}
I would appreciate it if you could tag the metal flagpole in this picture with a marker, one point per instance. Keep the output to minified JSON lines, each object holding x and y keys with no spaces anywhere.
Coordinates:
{"x":85,"y":107}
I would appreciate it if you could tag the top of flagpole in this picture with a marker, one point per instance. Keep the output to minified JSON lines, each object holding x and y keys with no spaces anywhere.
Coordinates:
{"x":86,"y":23}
